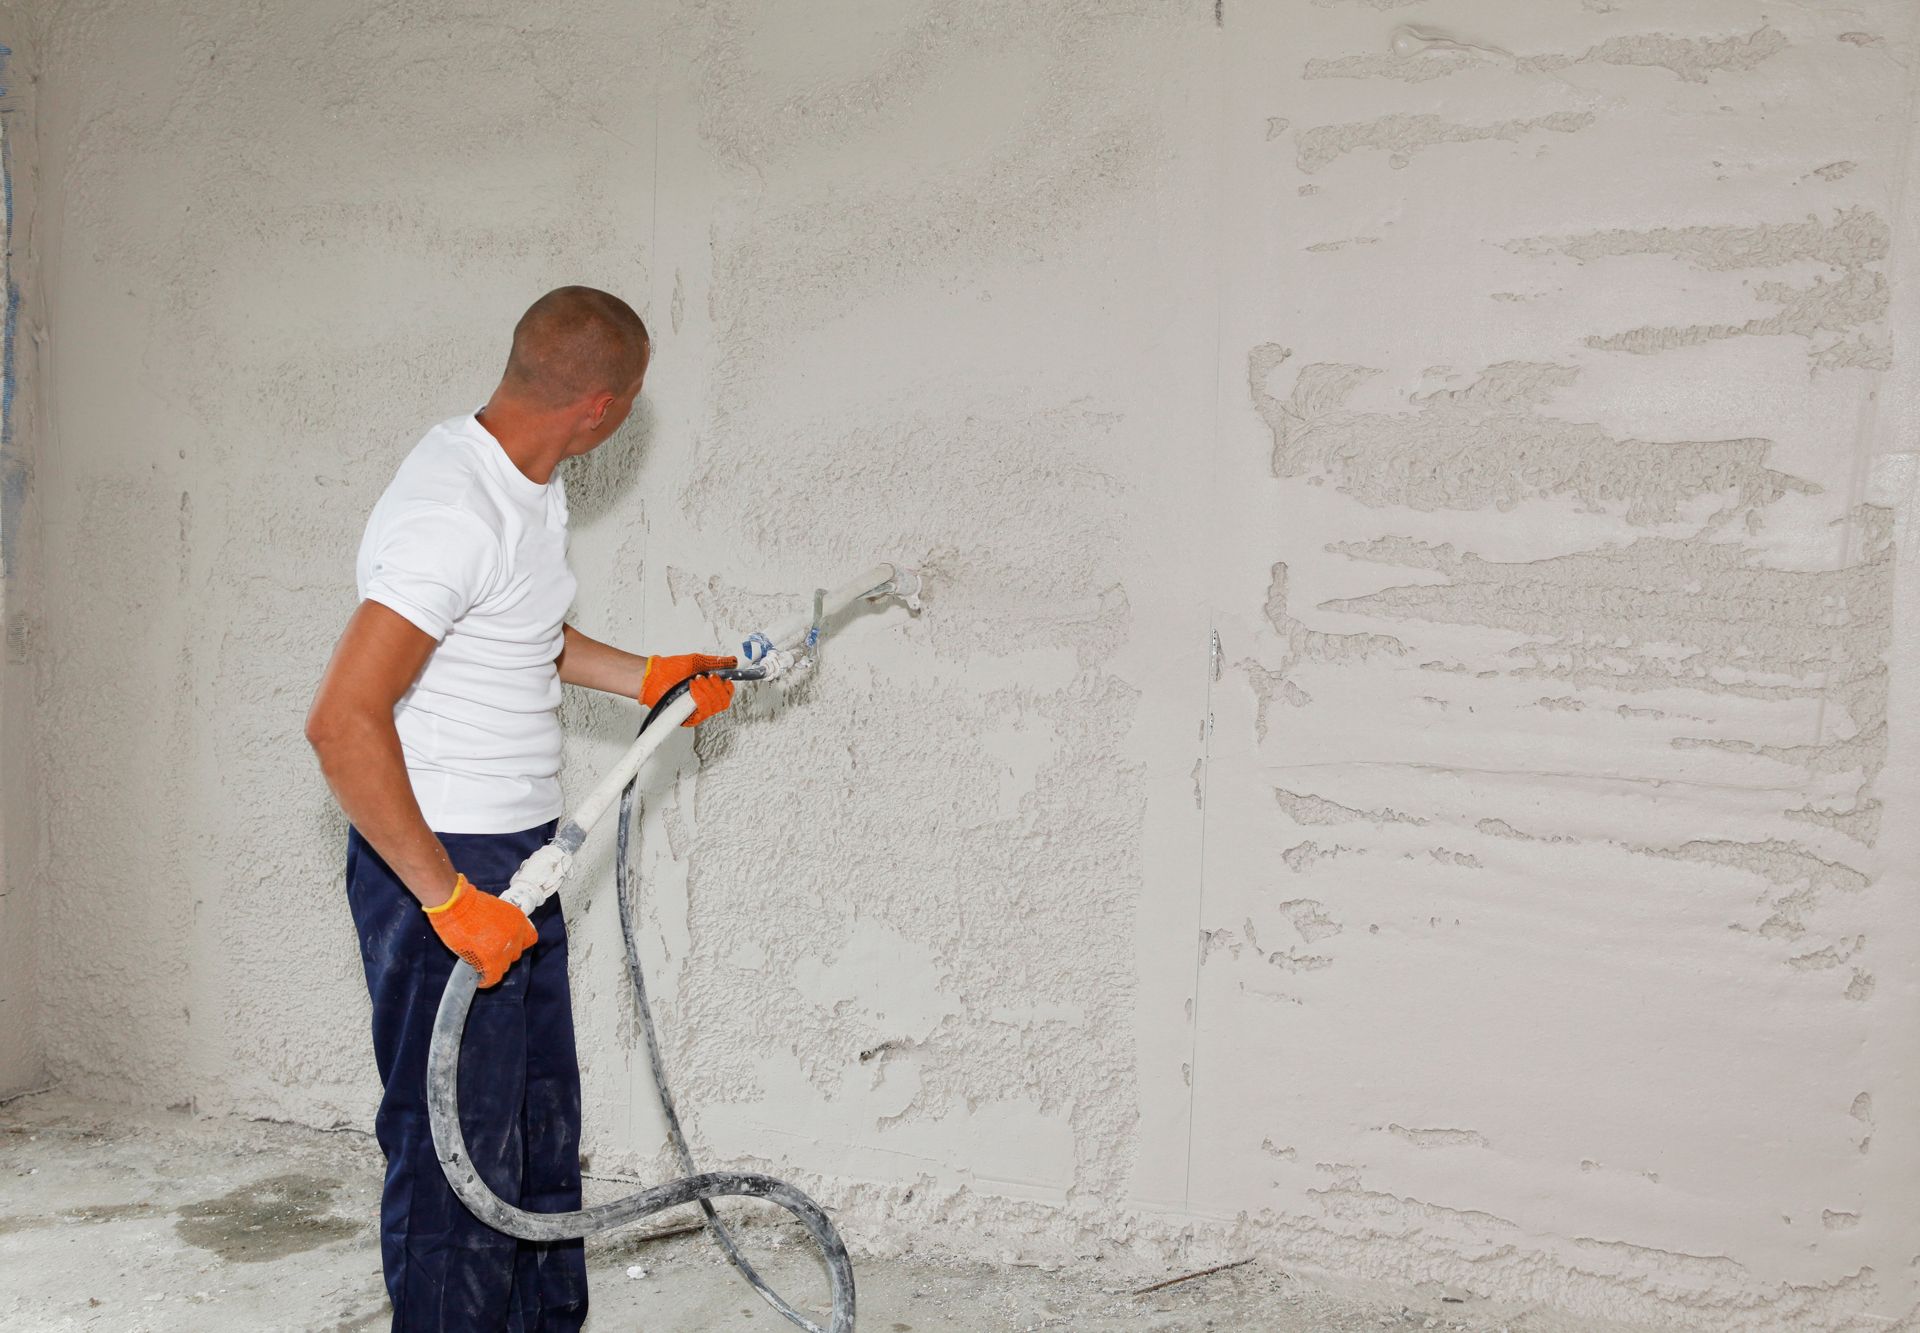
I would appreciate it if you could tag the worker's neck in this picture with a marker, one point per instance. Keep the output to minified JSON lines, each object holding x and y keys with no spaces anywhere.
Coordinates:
{"x":534,"y":440}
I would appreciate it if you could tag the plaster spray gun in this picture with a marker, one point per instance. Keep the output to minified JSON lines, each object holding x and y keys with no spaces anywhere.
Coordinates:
{"x":783,"y":653}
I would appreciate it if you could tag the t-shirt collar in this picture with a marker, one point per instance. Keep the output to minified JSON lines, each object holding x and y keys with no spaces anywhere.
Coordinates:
{"x":512,"y":477}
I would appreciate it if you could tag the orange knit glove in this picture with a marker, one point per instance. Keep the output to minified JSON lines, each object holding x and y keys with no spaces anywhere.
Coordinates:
{"x":710,"y":696}
{"x":484,"y":930}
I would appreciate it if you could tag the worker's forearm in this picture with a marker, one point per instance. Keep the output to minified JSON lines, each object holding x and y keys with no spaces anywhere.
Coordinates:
{"x":594,"y":665}
{"x":364,"y":764}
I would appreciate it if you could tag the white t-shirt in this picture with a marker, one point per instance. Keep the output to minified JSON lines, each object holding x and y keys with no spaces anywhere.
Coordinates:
{"x":474,"y":553}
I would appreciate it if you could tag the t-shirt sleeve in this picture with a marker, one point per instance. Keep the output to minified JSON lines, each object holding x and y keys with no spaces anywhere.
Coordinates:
{"x":431,"y":564}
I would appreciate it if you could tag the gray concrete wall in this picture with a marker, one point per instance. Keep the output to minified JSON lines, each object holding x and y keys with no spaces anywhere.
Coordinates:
{"x":1403,"y":769}
{"x":21,"y":1064}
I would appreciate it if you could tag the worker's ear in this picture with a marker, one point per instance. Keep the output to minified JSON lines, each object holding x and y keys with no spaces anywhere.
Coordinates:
{"x":597,"y":407}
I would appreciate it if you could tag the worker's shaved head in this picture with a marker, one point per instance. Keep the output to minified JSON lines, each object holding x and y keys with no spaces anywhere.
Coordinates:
{"x":573,"y":343}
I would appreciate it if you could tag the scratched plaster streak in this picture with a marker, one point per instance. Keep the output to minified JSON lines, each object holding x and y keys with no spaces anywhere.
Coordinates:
{"x":1401,"y":135}
{"x":1805,"y":876}
{"x":1439,"y":1138}
{"x":1840,"y":307}
{"x":1306,"y":808}
{"x":1491,"y":445}
{"x":1839,"y":312}
{"x":1300,"y":645}
{"x":1300,"y":857}
{"x":1861,"y":822}
{"x":1735,"y":621}
{"x":1854,"y":237}
{"x":1833,"y":955}
{"x":1863,"y":752}
{"x":1704,"y":616}
{"x":1500,"y":828}
{"x":1691,"y":59}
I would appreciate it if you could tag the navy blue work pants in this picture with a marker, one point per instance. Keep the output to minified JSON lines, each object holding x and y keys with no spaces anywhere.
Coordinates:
{"x":519,"y":1106}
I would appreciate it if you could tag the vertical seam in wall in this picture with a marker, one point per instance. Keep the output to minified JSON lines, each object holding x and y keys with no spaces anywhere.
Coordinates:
{"x":8,"y":356}
{"x":12,"y":473}
{"x":655,"y":268}
{"x":1209,"y":660}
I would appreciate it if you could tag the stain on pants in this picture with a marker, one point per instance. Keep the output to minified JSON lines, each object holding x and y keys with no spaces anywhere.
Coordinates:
{"x":519,"y":1105}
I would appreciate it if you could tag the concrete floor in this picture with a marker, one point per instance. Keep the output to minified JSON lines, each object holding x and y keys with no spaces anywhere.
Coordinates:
{"x":143,"y":1223}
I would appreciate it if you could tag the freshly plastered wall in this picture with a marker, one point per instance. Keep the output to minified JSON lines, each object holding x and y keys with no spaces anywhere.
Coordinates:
{"x":1406,"y":765}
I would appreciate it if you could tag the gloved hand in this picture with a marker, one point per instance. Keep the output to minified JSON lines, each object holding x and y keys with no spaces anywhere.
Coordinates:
{"x":484,"y":930}
{"x":710,"y":696}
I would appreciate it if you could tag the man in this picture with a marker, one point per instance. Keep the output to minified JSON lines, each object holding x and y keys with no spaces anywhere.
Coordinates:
{"x":436,"y":727}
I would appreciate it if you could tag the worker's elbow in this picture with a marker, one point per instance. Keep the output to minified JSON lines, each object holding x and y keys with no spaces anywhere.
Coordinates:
{"x":325,"y":727}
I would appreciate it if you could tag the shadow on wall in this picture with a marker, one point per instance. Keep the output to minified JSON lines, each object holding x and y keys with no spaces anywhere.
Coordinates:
{"x":599,"y":481}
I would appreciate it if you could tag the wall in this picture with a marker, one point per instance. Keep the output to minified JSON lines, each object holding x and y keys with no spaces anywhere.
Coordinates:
{"x":22,"y":1067}
{"x":1400,"y":770}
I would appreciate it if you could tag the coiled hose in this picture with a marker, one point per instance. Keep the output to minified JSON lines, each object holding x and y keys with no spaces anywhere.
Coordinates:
{"x":443,"y":1101}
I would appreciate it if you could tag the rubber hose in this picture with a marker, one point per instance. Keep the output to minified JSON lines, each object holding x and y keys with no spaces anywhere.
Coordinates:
{"x":443,"y":1103}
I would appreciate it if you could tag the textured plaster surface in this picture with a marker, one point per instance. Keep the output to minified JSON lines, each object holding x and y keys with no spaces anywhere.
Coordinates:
{"x":1400,"y":771}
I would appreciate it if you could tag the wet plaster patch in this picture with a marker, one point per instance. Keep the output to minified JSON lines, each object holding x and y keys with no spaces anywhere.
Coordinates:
{"x":266,"y":1220}
{"x":145,"y":1220}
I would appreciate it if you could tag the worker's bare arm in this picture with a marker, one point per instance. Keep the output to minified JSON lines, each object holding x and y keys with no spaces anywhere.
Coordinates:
{"x":594,"y":665}
{"x":350,"y":727}
{"x":600,"y":666}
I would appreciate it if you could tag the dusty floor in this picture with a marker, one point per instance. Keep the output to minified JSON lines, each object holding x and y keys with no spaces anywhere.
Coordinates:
{"x":117,"y":1220}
